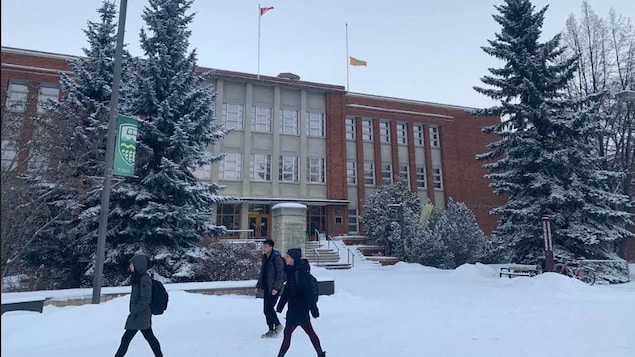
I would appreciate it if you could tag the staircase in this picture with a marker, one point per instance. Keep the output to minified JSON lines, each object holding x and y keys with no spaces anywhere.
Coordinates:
{"x":320,"y":254}
{"x":373,"y":253}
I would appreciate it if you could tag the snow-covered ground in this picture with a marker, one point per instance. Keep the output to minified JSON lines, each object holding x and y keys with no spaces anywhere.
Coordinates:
{"x":403,"y":310}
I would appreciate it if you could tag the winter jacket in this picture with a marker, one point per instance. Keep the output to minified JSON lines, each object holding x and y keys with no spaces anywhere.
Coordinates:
{"x":273,"y":267}
{"x":297,"y":293}
{"x":140,"y":317}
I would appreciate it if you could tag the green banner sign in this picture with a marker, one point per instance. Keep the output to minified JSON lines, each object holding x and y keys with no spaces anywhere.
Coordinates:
{"x":126,"y":146}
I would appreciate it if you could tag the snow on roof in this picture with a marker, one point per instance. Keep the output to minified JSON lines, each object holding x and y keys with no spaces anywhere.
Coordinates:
{"x":288,"y":205}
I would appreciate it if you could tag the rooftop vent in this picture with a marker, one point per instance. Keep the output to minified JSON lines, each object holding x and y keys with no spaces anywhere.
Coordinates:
{"x":289,"y":75}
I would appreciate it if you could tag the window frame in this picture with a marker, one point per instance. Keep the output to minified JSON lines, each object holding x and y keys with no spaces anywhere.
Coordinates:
{"x":227,"y":120}
{"x":320,"y":166}
{"x":311,"y":128}
{"x":257,"y":120}
{"x":262,"y":174}
{"x":294,"y":172}
{"x":293,"y":125}
{"x":235,"y":159}
{"x":351,"y":172}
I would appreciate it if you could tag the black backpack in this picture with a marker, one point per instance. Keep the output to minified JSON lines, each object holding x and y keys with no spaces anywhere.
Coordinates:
{"x":313,"y":285}
{"x":159,"y":300}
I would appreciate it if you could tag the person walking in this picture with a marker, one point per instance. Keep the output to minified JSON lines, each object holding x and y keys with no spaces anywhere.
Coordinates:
{"x":299,"y":296}
{"x":140,"y":317}
{"x":271,"y":281}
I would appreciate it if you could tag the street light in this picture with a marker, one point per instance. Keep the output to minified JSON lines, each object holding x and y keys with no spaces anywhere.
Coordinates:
{"x":399,"y":207}
{"x":110,"y":157}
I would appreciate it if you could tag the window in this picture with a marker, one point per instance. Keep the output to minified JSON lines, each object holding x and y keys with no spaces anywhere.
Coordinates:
{"x":261,"y":119}
{"x":369,"y":173}
{"x":228,"y":215}
{"x":437,"y":178}
{"x":46,"y":95}
{"x":404,"y":173}
{"x":233,"y":115}
{"x":37,"y":163}
{"x":350,"y":128}
{"x":260,"y":167}
{"x":421,"y":177}
{"x":231,"y":166}
{"x":289,"y":122}
{"x":367,"y":129}
{"x":17,"y":94}
{"x":316,"y":169}
{"x":402,"y":133}
{"x":288,"y":169}
{"x":418,"y":134}
{"x":353,"y":221}
{"x":315,"y":124}
{"x":9,"y":153}
{"x":384,"y":131}
{"x":315,"y":220}
{"x":434,"y":137}
{"x":203,"y":172}
{"x":386,"y":174}
{"x":351,"y":172}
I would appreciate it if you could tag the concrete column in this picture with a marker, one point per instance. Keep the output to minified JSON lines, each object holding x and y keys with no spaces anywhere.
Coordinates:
{"x":289,"y":226}
{"x":246,"y":190}
{"x":218,"y":111}
{"x":275,"y":129}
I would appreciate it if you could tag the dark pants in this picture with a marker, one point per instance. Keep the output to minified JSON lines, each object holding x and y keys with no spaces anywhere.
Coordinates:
{"x":308,"y":328}
{"x":268,"y":308}
{"x":147,"y":334}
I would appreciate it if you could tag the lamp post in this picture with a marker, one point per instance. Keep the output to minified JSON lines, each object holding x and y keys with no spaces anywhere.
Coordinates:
{"x":110,"y":157}
{"x":399,"y":207}
{"x":546,"y":235}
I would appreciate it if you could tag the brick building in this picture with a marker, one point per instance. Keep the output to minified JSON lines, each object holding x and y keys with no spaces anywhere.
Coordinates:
{"x":298,"y":141}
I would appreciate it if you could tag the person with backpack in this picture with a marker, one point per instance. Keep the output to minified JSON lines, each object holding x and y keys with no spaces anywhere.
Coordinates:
{"x":300,"y":294}
{"x":271,"y":281}
{"x":140,"y":317}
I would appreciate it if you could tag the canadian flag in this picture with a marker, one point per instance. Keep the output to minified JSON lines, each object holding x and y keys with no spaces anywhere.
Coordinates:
{"x":263,"y":10}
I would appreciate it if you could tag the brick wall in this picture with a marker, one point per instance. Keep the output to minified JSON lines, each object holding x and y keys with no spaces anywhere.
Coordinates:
{"x":461,"y":140}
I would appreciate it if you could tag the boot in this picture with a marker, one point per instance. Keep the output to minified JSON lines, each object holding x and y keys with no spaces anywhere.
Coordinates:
{"x":322,"y":354}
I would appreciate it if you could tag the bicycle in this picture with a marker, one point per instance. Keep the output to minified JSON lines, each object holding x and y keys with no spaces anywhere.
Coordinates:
{"x":575,"y":269}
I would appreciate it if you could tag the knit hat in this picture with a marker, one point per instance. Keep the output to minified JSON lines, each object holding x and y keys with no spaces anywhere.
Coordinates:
{"x":295,"y":253}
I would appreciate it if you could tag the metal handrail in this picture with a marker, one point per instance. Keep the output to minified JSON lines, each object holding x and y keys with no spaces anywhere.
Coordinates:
{"x":350,"y":253}
{"x":318,"y":256}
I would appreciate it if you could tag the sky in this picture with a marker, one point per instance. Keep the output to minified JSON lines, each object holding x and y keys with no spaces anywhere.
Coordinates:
{"x":422,"y":50}
{"x":403,"y":310}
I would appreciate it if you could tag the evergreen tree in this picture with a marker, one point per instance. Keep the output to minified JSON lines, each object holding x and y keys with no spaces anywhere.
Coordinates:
{"x":67,"y":248}
{"x":457,"y":228}
{"x":542,"y":161}
{"x":166,"y":211}
{"x":378,"y":214}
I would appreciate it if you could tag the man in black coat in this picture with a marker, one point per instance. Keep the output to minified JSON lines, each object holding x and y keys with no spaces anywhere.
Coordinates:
{"x":298,"y":294}
{"x":140,"y":317}
{"x":271,"y":281}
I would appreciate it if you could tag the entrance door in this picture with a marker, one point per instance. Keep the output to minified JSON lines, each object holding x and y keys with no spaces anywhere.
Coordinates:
{"x":260,"y":225}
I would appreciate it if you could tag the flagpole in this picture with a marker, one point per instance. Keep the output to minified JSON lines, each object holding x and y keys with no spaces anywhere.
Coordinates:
{"x":347,"y":58}
{"x":259,"y":16}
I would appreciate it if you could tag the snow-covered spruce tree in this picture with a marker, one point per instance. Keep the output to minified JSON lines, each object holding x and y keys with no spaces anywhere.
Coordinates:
{"x":63,"y":251}
{"x":542,"y":161}
{"x":378,"y":215}
{"x":166,"y":211}
{"x":428,"y":249}
{"x":456,"y":226}
{"x":401,"y":245}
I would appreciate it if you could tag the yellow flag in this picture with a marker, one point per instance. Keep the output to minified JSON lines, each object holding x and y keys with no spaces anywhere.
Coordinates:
{"x":357,"y":62}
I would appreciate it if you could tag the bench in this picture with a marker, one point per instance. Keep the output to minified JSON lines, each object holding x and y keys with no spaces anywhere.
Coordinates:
{"x":25,"y":304}
{"x":519,"y":270}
